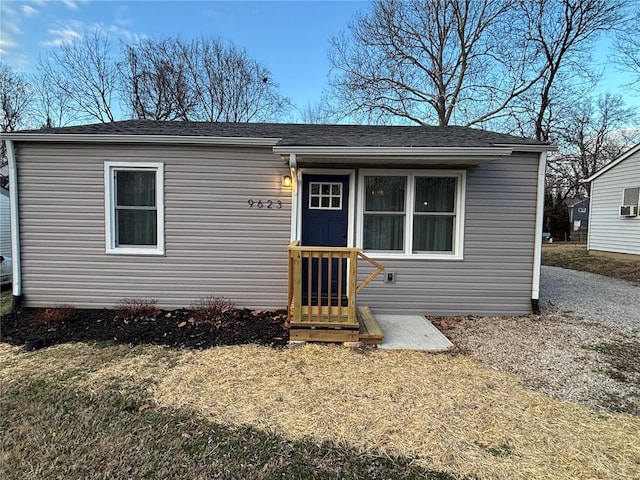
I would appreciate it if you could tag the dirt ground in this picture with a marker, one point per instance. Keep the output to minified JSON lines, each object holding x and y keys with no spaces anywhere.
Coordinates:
{"x":176,"y":328}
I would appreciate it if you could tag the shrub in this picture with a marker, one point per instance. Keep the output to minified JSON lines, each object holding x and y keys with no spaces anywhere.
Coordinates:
{"x":55,"y":315}
{"x":136,"y":308}
{"x":211,"y":309}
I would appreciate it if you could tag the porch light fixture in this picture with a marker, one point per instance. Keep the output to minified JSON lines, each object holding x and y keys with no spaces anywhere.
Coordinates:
{"x":287,"y":181}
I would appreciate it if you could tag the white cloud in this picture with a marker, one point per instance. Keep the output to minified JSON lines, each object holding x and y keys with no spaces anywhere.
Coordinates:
{"x":63,"y":34}
{"x":6,"y":42}
{"x":71,"y":4}
{"x":28,"y":10}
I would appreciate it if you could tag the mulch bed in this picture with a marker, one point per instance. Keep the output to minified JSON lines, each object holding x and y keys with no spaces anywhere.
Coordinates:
{"x":174,"y":328}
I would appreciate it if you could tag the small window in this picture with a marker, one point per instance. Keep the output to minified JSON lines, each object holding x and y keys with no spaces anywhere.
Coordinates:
{"x":434,"y":214}
{"x":325,"y":196}
{"x":134,"y":208}
{"x":631,"y":196}
{"x":582,"y":210}
{"x":384,"y":213}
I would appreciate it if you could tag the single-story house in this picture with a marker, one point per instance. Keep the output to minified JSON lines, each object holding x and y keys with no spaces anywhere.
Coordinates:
{"x":614,"y":221}
{"x":176,"y":211}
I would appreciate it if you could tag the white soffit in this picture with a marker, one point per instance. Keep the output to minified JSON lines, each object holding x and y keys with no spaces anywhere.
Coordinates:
{"x":390,"y":156}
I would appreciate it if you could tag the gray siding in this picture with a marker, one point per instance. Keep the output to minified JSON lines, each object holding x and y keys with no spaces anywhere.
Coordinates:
{"x":217,"y":245}
{"x":495,"y":276}
{"x":608,"y":231}
{"x":5,"y":225}
{"x":214,"y":243}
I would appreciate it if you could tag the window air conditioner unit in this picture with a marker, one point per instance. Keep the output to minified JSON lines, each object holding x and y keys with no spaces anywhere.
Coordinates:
{"x":628,"y":210}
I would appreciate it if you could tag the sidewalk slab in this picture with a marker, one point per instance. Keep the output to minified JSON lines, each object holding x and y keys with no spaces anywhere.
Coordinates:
{"x":411,"y":332}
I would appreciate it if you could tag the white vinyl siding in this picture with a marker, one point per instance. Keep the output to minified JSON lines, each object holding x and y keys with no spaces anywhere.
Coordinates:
{"x":5,"y":226}
{"x":608,"y":231}
{"x":134,"y":208}
{"x":417,"y":214}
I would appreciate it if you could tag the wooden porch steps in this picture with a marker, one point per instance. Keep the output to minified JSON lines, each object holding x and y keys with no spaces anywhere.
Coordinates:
{"x":368,"y":331}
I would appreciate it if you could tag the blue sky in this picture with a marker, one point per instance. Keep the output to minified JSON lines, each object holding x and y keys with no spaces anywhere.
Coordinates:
{"x":290,"y":37}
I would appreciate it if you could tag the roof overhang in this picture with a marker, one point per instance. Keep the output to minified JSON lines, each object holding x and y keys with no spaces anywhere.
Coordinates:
{"x":621,"y":158}
{"x":390,"y":156}
{"x":160,"y":139}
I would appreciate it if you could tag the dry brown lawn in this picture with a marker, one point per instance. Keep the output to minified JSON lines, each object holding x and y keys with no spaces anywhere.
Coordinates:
{"x":446,"y":412}
{"x":576,"y":257}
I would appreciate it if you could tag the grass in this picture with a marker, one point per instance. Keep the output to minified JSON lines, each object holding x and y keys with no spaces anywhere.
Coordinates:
{"x":576,"y":257}
{"x":77,"y":411}
{"x":6,"y":298}
{"x":57,"y":425}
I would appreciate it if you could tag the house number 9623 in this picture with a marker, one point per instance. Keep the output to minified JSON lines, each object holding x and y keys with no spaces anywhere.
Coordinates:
{"x":264,"y":203}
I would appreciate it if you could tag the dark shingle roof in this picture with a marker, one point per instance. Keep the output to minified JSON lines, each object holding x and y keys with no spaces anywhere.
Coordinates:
{"x":309,"y":134}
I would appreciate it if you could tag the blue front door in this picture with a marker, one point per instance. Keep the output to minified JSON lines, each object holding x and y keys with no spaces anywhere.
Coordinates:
{"x":325,"y":220}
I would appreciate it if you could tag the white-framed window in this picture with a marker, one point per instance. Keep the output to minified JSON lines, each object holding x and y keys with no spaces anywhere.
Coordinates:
{"x":631,"y":196}
{"x":582,"y":210}
{"x":325,"y":195}
{"x":417,"y":213}
{"x":134,"y":208}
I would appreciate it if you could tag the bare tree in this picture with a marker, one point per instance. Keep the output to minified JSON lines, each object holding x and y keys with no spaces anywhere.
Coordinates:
{"x":231,"y":87}
{"x":155,"y":80}
{"x":628,"y":47}
{"x":445,"y":61}
{"x":50,"y":107}
{"x":562,"y":32}
{"x":594,"y":133}
{"x":15,"y":99}
{"x":84,"y":71}
{"x":199,"y":80}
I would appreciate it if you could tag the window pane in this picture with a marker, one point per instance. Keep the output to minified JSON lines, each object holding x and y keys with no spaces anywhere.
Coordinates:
{"x":135,"y":188}
{"x":434,"y":194}
{"x":136,"y":227}
{"x":315,"y":188}
{"x":631,"y":196}
{"x":325,"y":201}
{"x":315,"y":201}
{"x":432,"y":233}
{"x":384,"y":194}
{"x":383,"y":232}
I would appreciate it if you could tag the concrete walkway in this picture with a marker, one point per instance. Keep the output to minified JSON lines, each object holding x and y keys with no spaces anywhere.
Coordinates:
{"x":411,"y":332}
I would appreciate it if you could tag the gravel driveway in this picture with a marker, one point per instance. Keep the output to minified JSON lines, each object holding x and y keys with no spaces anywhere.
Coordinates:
{"x":592,"y":297}
{"x":584,"y":348}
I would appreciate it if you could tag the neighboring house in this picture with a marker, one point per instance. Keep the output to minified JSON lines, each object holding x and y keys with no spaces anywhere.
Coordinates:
{"x":579,"y":218}
{"x":614,"y":223}
{"x":579,"y":213}
{"x":5,"y":238}
{"x":5,"y":224}
{"x":176,"y":211}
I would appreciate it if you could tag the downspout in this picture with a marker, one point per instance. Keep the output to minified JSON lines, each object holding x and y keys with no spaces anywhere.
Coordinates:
{"x":293,"y":168}
{"x":537,"y":248}
{"x":15,"y":225}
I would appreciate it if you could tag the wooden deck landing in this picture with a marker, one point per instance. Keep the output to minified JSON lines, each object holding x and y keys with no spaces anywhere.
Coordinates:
{"x":368,"y":331}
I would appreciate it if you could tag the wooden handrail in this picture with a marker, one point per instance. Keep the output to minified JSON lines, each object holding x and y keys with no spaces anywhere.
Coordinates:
{"x":318,"y":308}
{"x":374,"y":274}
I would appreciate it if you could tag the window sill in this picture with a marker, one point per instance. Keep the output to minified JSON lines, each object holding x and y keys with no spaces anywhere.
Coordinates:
{"x":134,"y":251}
{"x":416,"y":256}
